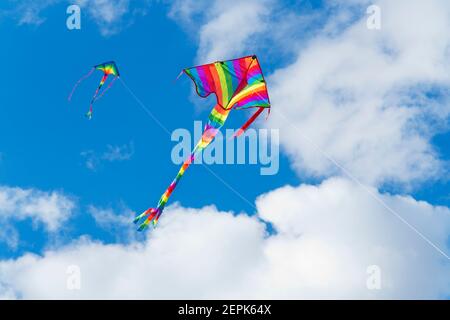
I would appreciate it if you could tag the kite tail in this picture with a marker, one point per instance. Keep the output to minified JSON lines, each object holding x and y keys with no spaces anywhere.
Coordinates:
{"x":249,"y":122}
{"x":107,"y":88}
{"x":153,"y":214}
{"x":78,"y":83}
{"x":148,"y":215}
{"x":94,"y":97}
{"x":89,"y":113}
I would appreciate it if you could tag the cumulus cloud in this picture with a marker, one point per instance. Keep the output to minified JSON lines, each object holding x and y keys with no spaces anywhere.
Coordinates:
{"x":29,"y":12}
{"x":326,"y":238}
{"x":119,"y":153}
{"x":229,"y":27}
{"x":6,"y":293}
{"x":108,"y":14}
{"x":363,"y":96}
{"x":116,"y":222}
{"x":9,"y":235}
{"x":51,"y":209}
{"x":107,"y":217}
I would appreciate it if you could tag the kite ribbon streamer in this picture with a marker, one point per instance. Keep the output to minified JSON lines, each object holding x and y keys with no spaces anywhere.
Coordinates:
{"x":249,"y":122}
{"x":79,"y":81}
{"x":102,"y":82}
{"x":107,"y":88}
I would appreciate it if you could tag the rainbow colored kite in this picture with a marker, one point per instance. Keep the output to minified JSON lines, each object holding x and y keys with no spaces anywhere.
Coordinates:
{"x":237,"y":84}
{"x":108,"y":68}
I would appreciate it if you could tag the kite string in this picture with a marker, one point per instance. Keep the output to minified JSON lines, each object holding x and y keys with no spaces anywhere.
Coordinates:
{"x":249,"y":122}
{"x":363,"y":186}
{"x":178,"y":77}
{"x":142,"y":105}
{"x":78,"y":82}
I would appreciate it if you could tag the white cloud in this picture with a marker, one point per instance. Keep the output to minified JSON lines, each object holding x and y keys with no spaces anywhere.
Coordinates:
{"x":116,"y":153}
{"x":91,"y":160}
{"x":29,"y":12}
{"x":117,"y":223}
{"x":107,"y":217}
{"x":327,"y":236}
{"x":108,"y":14}
{"x":48,"y":209}
{"x":51,"y":209}
{"x":361,"y":96}
{"x":6,"y":293}
{"x":119,"y":153}
{"x":340,"y":230}
{"x":230,"y":26}
{"x":9,"y":235}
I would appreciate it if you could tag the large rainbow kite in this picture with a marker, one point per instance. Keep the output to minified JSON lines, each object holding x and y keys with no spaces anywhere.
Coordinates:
{"x":237,"y":84}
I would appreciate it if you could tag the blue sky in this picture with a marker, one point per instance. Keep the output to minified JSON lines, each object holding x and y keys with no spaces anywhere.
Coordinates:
{"x":46,"y":141}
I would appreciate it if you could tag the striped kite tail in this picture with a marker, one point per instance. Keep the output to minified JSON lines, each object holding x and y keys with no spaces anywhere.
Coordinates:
{"x":107,"y":88}
{"x":89,"y":113}
{"x":94,"y":97}
{"x":147,"y":217}
{"x":153,"y":214}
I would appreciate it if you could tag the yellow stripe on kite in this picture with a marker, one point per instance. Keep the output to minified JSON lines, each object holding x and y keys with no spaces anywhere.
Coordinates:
{"x":223,"y":82}
{"x":246,"y":92}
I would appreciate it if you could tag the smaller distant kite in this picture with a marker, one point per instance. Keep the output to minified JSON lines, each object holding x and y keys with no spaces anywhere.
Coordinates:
{"x":108,"y":69}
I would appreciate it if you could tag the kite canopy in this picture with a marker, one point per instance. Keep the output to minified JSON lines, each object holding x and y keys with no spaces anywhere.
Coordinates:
{"x":109,"y":68}
{"x":237,"y":83}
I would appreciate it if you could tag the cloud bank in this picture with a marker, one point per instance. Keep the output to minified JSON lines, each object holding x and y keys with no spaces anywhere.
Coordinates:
{"x":327,"y":237}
